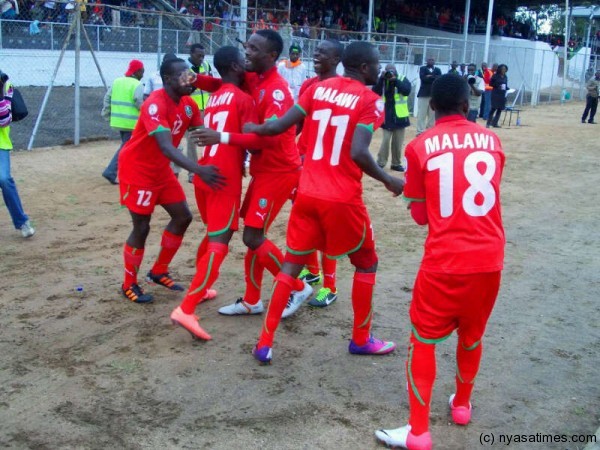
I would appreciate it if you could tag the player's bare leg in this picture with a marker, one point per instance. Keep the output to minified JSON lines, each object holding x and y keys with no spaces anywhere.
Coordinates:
{"x":181,"y":218}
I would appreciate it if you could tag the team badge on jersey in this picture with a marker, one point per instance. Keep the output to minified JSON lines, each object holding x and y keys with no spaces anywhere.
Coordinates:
{"x":278,"y":95}
{"x":188,"y":111}
{"x":261,"y":94}
{"x":262,"y":203}
{"x":379,"y":105}
{"x":152,"y":109}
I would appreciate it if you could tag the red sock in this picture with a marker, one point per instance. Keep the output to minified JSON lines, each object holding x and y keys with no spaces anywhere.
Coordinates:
{"x":133,"y":260}
{"x":201,"y":250}
{"x":420,"y":374}
{"x":329,"y":269}
{"x":313,"y":263}
{"x":206,"y":275}
{"x":169,"y":245}
{"x":467,"y":366}
{"x":253,"y":272}
{"x":270,"y":257}
{"x":362,"y":304}
{"x":281,"y":293}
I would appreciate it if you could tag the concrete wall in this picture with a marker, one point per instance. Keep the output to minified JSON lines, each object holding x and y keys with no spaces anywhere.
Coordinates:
{"x":35,"y":67}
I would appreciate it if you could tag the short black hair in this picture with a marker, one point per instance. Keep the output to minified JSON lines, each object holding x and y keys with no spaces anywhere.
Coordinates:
{"x":225,"y":57}
{"x":449,"y":92}
{"x":274,"y":39}
{"x":338,"y":47}
{"x":195,"y":47}
{"x":358,"y":53}
{"x":169,"y":56}
{"x":502,"y":65}
{"x":166,"y":68}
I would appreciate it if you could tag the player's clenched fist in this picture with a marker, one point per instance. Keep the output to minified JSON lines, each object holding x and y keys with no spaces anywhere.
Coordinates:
{"x":395,"y":185}
{"x":187,"y":78}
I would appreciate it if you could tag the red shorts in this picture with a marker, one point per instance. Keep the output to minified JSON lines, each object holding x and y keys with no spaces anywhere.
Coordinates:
{"x":142,"y":200}
{"x":337,"y":229}
{"x":442,"y":303}
{"x":220,"y":212}
{"x":266,"y":195}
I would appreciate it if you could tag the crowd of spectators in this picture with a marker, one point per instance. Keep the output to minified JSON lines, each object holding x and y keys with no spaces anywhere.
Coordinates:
{"x":307,"y":18}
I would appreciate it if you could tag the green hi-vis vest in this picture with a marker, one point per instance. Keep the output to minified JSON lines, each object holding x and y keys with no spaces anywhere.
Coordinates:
{"x":5,"y":142}
{"x":401,"y":104}
{"x":199,"y":96}
{"x":123,"y":113}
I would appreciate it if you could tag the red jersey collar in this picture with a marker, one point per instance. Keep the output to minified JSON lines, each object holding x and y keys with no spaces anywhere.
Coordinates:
{"x":451,"y":118}
{"x":266,"y":75}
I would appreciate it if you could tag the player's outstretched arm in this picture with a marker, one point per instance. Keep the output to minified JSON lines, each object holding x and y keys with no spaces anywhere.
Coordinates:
{"x":272,"y":127}
{"x":251,"y":141}
{"x":209,"y":174}
{"x":204,"y":82}
{"x":362,"y":157}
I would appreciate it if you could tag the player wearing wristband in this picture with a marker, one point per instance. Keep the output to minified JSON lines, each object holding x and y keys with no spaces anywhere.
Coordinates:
{"x":146,"y":179}
{"x":326,"y":58}
{"x":227,"y":110}
{"x":340,"y":116}
{"x":452,"y":184}
{"x":275,"y":170}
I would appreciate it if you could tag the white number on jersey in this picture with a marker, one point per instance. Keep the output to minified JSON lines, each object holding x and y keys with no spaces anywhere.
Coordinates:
{"x":144,"y":198}
{"x":479,"y":183}
{"x":323,"y":116}
{"x":218,"y":123}
{"x":177,"y":126}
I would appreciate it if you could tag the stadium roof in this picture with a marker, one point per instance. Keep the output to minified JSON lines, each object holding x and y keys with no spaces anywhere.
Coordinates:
{"x":531,"y":4}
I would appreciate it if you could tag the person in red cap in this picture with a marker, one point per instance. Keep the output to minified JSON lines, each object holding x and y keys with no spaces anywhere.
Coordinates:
{"x":122,"y":104}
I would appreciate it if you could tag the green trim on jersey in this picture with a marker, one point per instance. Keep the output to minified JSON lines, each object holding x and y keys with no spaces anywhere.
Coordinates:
{"x":408,"y":199}
{"x":301,"y":109}
{"x":370,"y":128}
{"x":160,"y":129}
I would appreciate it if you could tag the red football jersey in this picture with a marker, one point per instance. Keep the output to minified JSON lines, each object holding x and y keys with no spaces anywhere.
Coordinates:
{"x":273,"y":98}
{"x":456,"y":168}
{"x":141,"y":162}
{"x":333,"y":109}
{"x":227,"y":110}
{"x":302,"y":140}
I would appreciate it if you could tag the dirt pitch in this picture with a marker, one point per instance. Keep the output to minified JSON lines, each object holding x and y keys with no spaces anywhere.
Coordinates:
{"x":99,"y":372}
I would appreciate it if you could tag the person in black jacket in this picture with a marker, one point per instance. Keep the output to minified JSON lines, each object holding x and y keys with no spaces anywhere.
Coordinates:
{"x":394,"y":89}
{"x":425,"y":116}
{"x":499,"y":84}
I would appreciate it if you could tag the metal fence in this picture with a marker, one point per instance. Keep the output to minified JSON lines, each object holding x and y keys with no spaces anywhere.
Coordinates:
{"x":29,"y":51}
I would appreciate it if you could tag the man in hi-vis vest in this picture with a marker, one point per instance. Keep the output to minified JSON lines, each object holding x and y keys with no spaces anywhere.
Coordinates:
{"x":197,"y":65}
{"x":394,"y":89}
{"x":122,"y":104}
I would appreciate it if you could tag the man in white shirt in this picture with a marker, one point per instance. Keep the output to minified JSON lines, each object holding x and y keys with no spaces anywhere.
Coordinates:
{"x":477,"y":87}
{"x":293,"y":70}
